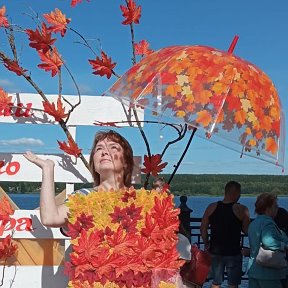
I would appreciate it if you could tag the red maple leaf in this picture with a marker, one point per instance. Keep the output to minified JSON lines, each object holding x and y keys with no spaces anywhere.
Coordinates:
{"x":58,"y":21}
{"x":70,"y":148}
{"x":51,"y":61}
{"x":40,"y":40}
{"x":5,"y":209}
{"x":3,"y":20}
{"x":76,"y":2}
{"x":82,"y":222}
{"x":58,"y":113}
{"x":129,"y":194}
{"x":14,"y":67}
{"x":102,"y":66}
{"x":142,"y":48}
{"x":153,"y":164}
{"x":7,"y":247}
{"x":74,"y":230}
{"x":131,"y":13}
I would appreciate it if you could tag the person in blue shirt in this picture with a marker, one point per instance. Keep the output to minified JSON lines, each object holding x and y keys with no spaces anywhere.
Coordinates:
{"x":263,"y":229}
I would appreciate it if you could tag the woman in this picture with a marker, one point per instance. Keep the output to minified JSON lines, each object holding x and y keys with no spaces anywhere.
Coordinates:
{"x":111,"y":164}
{"x":263,"y":230}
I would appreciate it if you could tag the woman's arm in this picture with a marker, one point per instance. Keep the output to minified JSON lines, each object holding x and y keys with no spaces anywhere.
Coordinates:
{"x":51,"y":215}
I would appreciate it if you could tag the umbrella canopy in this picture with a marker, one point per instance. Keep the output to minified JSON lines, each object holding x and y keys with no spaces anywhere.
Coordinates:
{"x":229,"y":100}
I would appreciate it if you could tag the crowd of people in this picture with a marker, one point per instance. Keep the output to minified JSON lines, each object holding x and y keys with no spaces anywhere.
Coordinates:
{"x":111,"y":164}
{"x":227,"y":220}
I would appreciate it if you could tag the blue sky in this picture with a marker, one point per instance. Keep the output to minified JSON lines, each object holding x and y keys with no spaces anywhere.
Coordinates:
{"x":261,"y":25}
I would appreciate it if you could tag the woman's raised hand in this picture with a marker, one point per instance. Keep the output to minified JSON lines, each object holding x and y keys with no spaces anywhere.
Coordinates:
{"x":42,"y":163}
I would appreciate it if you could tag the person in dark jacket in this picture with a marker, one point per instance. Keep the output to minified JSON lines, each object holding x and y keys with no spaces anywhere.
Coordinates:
{"x":226,"y":219}
{"x":281,"y":219}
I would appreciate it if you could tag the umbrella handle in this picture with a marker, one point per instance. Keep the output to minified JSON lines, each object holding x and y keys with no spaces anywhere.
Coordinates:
{"x":233,"y":44}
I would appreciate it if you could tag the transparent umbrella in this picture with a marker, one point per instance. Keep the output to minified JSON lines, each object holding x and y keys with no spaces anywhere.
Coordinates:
{"x":225,"y":98}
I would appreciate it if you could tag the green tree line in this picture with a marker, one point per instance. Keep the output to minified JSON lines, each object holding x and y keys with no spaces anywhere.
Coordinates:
{"x":186,"y":184}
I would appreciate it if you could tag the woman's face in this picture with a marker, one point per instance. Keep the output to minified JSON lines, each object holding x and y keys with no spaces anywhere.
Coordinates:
{"x":108,"y":157}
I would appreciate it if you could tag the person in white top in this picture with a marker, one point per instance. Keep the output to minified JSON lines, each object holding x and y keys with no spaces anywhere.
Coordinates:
{"x":111,"y":164}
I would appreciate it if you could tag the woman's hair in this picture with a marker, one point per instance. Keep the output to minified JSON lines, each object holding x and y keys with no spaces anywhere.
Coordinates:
{"x":264,"y":201}
{"x":127,"y":152}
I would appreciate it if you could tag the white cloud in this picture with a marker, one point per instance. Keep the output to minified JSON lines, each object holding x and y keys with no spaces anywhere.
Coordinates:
{"x":6,"y":83}
{"x":22,"y":141}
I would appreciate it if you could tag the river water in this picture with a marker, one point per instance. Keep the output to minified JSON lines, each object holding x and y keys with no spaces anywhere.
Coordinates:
{"x":197,"y":203}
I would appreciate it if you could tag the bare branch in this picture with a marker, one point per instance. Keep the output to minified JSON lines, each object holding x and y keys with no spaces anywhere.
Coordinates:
{"x":11,"y":40}
{"x":183,"y":154}
{"x":85,"y":41}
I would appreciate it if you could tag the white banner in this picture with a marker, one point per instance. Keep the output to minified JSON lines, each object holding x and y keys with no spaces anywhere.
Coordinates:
{"x":16,"y":168}
{"x":91,"y":109}
{"x":26,"y":224}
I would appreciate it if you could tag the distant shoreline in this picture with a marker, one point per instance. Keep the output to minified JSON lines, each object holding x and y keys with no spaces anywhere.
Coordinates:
{"x":201,"y":195}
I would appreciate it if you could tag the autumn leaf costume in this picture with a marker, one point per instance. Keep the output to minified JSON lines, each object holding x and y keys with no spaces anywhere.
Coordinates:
{"x":123,"y":238}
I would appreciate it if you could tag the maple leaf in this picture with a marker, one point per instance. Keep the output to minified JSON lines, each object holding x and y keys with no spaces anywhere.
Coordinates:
{"x":271,"y":145}
{"x":86,"y":221}
{"x":51,"y":61}
{"x":76,"y":2}
{"x":5,"y":209}
{"x":3,"y":20}
{"x":74,"y":230}
{"x":7,"y":247}
{"x":58,"y":113}
{"x":153,"y":164}
{"x":82,"y":222}
{"x":121,"y":242}
{"x":14,"y":67}
{"x":40,"y":40}
{"x":70,"y":148}
{"x":58,"y":21}
{"x":102,"y":66}
{"x":142,"y":48}
{"x":131,"y":12}
{"x":204,"y":118}
{"x":5,"y":100}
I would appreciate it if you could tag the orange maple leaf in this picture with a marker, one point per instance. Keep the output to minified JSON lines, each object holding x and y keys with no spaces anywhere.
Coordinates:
{"x":58,"y":21}
{"x":204,"y":118}
{"x":4,"y":98}
{"x":142,"y":48}
{"x":131,"y":12}
{"x":153,"y":164}
{"x":70,"y":148}
{"x":240,"y":117}
{"x":102,"y":66}
{"x":5,"y":102}
{"x":5,"y":209}
{"x":14,"y":67}
{"x":3,"y":20}
{"x":51,"y":61}
{"x":40,"y":40}
{"x":271,"y":145}
{"x":58,"y":113}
